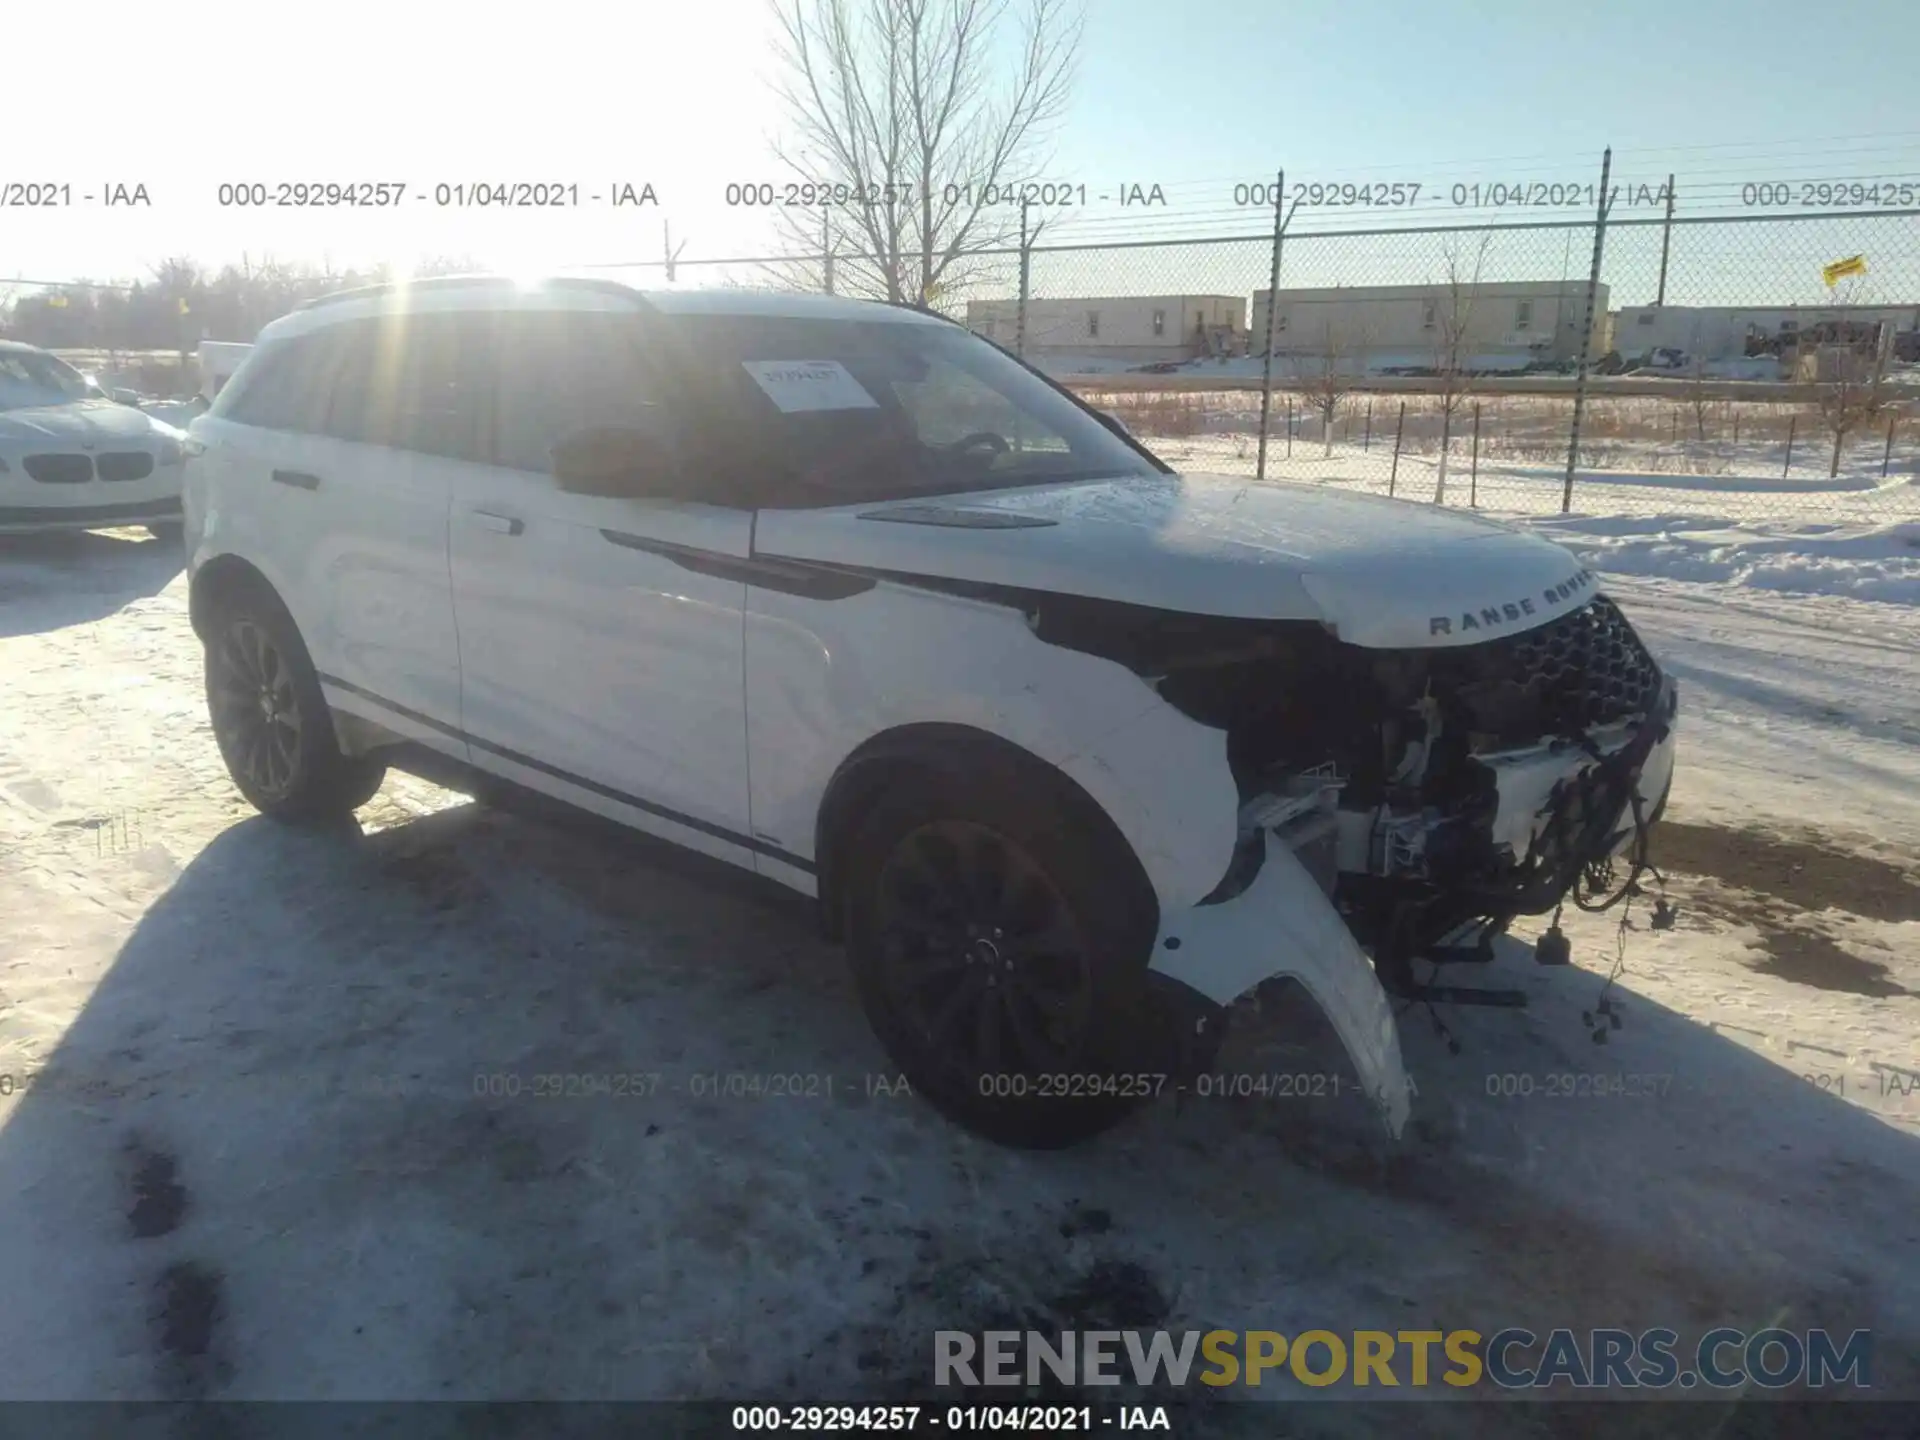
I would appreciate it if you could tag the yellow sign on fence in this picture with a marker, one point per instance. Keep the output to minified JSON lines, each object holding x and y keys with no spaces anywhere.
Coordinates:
{"x":1840,"y":269}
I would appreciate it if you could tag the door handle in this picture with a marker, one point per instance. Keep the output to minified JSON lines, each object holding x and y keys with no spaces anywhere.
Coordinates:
{"x":500,"y":524}
{"x":299,"y":479}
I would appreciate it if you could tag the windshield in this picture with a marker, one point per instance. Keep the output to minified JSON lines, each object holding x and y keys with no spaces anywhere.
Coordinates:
{"x":833,"y":412}
{"x":33,"y":377}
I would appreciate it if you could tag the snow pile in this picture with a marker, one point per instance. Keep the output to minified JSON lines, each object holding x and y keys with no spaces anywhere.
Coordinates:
{"x":1864,"y":562}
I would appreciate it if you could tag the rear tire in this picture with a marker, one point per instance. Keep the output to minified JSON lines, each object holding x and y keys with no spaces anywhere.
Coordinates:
{"x":273,"y":725}
{"x":1000,"y":950}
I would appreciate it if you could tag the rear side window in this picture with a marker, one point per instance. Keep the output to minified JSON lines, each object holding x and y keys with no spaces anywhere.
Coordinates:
{"x":562,"y":371}
{"x":415,"y":382}
{"x":285,"y":387}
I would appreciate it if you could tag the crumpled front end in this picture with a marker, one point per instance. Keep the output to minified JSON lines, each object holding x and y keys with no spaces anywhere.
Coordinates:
{"x":1397,"y":800}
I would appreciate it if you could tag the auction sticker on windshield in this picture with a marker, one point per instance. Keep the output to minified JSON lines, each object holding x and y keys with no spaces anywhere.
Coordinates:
{"x":796,"y":385}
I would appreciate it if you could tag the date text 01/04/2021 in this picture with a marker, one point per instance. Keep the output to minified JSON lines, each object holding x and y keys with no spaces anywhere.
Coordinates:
{"x":934,"y":1420}
{"x":697,"y":1085}
{"x":460,"y":195}
{"x":814,"y":195}
{"x":1473,"y":195}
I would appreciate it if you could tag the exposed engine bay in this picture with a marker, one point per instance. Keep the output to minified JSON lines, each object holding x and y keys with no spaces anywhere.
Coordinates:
{"x":1431,"y":792}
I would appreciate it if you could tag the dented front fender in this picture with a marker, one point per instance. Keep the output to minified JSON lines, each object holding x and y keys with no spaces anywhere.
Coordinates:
{"x":1284,"y":924}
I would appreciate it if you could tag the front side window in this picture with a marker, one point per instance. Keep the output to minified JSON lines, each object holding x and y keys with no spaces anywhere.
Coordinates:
{"x":793,"y":411}
{"x":30,"y":378}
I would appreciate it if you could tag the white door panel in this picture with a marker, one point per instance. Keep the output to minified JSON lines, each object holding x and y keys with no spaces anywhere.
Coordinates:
{"x":383,"y":620}
{"x":598,"y":643}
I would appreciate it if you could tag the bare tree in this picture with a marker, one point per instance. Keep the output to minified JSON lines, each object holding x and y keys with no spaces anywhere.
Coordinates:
{"x":1330,"y":374}
{"x":1450,"y":317}
{"x":1698,"y":396}
{"x":1850,"y":389}
{"x":913,"y":135}
{"x":1849,"y":375}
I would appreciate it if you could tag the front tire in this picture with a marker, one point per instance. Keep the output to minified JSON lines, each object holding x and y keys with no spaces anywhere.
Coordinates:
{"x":1000,"y":951}
{"x":273,"y":725}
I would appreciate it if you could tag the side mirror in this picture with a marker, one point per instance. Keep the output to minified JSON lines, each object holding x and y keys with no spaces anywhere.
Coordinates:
{"x":619,"y":462}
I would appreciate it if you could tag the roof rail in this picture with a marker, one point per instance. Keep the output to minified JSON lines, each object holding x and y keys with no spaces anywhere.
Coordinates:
{"x":454,"y":282}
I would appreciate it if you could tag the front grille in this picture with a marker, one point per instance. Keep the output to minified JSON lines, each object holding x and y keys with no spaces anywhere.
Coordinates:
{"x":125,"y":465}
{"x":1583,"y":670}
{"x":60,"y":469}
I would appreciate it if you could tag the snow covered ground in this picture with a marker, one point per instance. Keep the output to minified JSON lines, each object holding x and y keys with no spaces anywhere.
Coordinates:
{"x":272,"y":1130}
{"x":1642,"y":480}
{"x":1819,"y":558}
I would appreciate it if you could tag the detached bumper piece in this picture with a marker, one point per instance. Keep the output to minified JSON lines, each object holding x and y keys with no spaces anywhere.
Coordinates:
{"x":1284,"y":924}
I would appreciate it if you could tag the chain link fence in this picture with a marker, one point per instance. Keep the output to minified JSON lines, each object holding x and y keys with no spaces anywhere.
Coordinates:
{"x":1724,"y":374}
{"x":1444,"y":364}
{"x":1629,"y":361}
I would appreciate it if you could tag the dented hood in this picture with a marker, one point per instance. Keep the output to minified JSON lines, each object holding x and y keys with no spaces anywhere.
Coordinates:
{"x":1377,"y":572}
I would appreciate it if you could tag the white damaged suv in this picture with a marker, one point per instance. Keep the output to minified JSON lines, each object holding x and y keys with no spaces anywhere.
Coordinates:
{"x":1073,"y":750}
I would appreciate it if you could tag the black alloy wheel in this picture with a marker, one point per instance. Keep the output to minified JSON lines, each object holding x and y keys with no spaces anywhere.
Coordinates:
{"x":981,"y":954}
{"x":256,"y":708}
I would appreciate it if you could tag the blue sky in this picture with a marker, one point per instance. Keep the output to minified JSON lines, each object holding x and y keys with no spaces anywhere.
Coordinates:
{"x":1192,"y":95}
{"x":1333,"y":86}
{"x":1720,"y":92}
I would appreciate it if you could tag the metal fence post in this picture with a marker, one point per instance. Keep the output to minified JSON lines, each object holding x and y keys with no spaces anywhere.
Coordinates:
{"x":1367,"y":443}
{"x":1666,"y":241}
{"x":1473,"y":479}
{"x":1886,"y":456}
{"x":1289,"y":424}
{"x":1586,"y":330}
{"x":1793,"y":422}
{"x":1399,"y":429}
{"x":1026,"y":269}
{"x":1273,"y":304}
